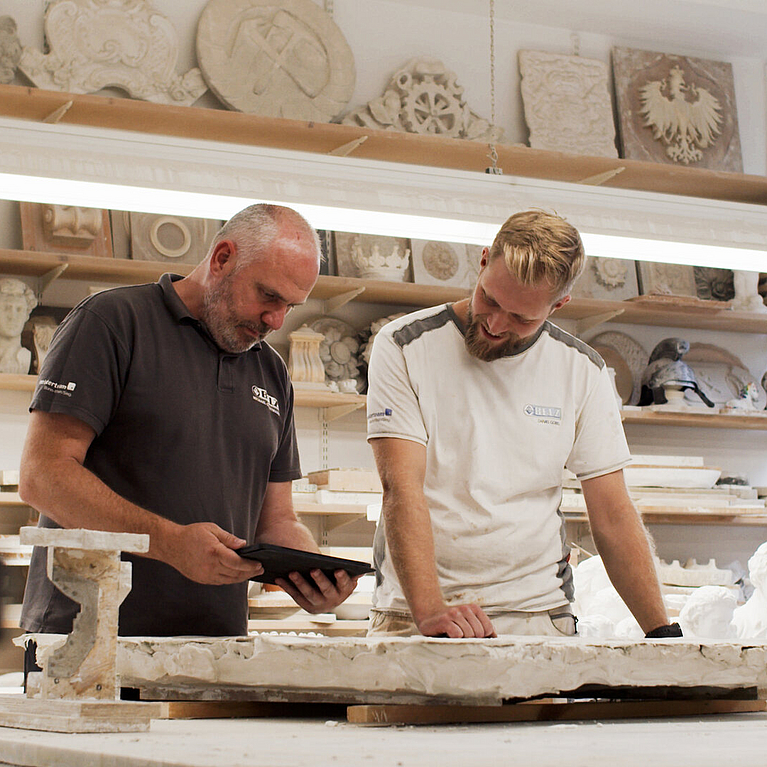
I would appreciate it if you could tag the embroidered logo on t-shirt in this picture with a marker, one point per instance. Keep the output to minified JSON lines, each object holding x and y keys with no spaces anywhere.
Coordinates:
{"x":263,"y":396}
{"x":381,"y":414}
{"x":543,"y":414}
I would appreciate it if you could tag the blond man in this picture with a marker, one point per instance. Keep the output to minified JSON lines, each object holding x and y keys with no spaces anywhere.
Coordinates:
{"x":474,"y":410}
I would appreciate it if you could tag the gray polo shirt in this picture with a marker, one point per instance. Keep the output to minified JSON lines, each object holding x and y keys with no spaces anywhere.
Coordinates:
{"x":183,"y":429}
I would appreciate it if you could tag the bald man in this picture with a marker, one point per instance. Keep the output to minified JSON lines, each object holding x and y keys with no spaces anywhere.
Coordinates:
{"x":160,"y":409}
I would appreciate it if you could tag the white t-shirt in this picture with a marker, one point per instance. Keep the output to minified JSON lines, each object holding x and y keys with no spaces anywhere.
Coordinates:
{"x":497,"y":436}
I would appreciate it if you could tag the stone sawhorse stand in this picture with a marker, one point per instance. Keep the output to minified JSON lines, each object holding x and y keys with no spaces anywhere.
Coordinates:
{"x":78,"y":690}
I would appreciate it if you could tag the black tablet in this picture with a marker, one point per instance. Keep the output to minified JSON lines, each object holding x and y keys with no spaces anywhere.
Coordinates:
{"x":278,"y":561}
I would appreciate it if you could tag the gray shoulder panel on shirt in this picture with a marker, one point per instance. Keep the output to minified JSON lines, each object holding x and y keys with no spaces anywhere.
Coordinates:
{"x":415,"y":329}
{"x":560,"y":335}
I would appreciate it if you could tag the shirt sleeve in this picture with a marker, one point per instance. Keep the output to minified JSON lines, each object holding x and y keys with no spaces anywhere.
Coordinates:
{"x":85,"y":369}
{"x":392,"y":403}
{"x":600,"y":445}
{"x":285,"y":464}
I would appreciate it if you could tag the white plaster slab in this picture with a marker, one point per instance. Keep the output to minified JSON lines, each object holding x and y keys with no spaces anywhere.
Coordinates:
{"x":421,"y":669}
{"x":93,"y":540}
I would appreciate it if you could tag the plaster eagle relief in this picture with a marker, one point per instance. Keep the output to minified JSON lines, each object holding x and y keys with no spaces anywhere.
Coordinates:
{"x":686,"y":120}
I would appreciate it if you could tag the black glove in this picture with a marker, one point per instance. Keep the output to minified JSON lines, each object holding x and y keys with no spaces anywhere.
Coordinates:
{"x":664,"y":632}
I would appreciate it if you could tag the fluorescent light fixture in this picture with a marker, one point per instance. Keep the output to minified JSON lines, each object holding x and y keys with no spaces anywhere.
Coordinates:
{"x":122,"y":170}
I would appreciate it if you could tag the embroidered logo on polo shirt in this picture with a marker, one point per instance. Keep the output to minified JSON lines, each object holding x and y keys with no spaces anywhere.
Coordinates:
{"x":550,"y":415}
{"x":57,"y":388}
{"x":263,"y":396}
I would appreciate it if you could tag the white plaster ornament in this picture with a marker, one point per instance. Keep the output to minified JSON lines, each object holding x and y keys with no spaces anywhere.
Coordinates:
{"x":747,"y":297}
{"x":338,"y":350}
{"x":16,"y":303}
{"x":424,"y":97}
{"x":10,"y":49}
{"x":567,"y":103}
{"x":281,"y":58}
{"x":750,"y":619}
{"x":126,"y":44}
{"x":304,"y":360}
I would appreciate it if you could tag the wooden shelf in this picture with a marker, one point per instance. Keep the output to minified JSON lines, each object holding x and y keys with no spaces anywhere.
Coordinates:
{"x":671,"y":518}
{"x":129,"y":272}
{"x":235,"y":127}
{"x":701,"y":419}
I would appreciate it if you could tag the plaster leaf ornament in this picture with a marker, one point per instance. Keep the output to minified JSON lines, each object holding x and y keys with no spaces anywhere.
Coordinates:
{"x":613,"y":279}
{"x":280,"y":58}
{"x":373,"y":257}
{"x":338,"y":350}
{"x":714,"y":284}
{"x":125,"y":44}
{"x":677,"y":109}
{"x":10,"y":49}
{"x":424,"y":97}
{"x":16,"y":304}
{"x":567,"y":103}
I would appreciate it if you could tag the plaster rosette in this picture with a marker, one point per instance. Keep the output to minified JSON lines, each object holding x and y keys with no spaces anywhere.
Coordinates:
{"x":97,"y":44}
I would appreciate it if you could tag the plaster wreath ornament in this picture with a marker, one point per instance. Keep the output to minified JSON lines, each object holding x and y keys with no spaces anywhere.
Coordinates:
{"x":424,"y":97}
{"x":125,"y":44}
{"x":610,"y":272}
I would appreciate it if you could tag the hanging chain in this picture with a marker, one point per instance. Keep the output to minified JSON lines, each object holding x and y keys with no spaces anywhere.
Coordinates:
{"x":329,"y":8}
{"x":494,"y":169}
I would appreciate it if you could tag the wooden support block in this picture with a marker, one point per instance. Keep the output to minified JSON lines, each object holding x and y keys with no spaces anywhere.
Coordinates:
{"x":77,"y":715}
{"x":537,"y":712}
{"x":230,"y":709}
{"x":348,"y":480}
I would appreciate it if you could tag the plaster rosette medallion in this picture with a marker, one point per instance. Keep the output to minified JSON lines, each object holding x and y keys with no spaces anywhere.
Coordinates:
{"x":677,"y":109}
{"x":279,"y":58}
{"x":613,"y":279}
{"x":10,"y":49}
{"x":339,"y":350}
{"x":567,"y":103}
{"x":424,"y":97}
{"x":445,"y":263}
{"x":125,"y":44}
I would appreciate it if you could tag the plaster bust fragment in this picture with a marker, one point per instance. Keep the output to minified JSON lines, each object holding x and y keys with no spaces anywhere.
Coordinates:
{"x":16,"y":304}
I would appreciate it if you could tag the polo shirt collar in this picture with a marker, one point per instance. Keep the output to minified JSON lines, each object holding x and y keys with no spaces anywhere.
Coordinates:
{"x":181,"y":314}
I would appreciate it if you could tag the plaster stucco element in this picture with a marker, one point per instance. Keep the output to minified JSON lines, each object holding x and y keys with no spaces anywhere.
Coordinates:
{"x":281,"y":58}
{"x":567,"y":103}
{"x":426,"y":668}
{"x":96,"y":44}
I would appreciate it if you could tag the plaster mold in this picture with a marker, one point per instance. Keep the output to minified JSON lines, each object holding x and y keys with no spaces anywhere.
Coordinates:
{"x":424,"y":97}
{"x":281,"y":58}
{"x":426,"y":668}
{"x":567,"y":103}
{"x":96,"y":44}
{"x":10,"y":49}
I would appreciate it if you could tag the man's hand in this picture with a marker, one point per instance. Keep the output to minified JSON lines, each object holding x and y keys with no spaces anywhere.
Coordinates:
{"x":321,"y":596}
{"x":205,"y":553}
{"x":456,"y":622}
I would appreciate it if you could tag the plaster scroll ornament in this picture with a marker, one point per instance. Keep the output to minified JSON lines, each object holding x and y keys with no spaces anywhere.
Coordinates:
{"x":339,"y":350}
{"x":424,"y":97}
{"x":16,"y":304}
{"x":750,"y":619}
{"x":304,"y":360}
{"x":65,"y":228}
{"x":747,"y":297}
{"x":677,"y":109}
{"x":125,"y":44}
{"x":10,"y":49}
{"x":280,"y":58}
{"x":567,"y":103}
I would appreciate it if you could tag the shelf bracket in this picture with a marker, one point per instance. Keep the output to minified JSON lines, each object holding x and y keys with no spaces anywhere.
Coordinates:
{"x":600,"y":178}
{"x":46,"y":279}
{"x":339,"y":411}
{"x":581,"y":326}
{"x":57,"y":114}
{"x":346,"y":149}
{"x":331,"y":304}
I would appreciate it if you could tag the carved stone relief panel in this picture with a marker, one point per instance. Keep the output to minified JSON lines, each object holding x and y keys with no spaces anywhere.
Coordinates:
{"x":65,"y":229}
{"x":676,"y":109}
{"x":173,"y":239}
{"x":567,"y":103}
{"x":714,"y":284}
{"x":282,"y":58}
{"x":666,"y":279}
{"x":372,"y":257}
{"x":96,"y":44}
{"x":10,"y":49}
{"x":613,"y":279}
{"x":424,"y":97}
{"x":445,"y":263}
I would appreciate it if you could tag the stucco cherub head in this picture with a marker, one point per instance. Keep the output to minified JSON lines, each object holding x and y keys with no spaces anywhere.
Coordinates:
{"x":708,"y":612}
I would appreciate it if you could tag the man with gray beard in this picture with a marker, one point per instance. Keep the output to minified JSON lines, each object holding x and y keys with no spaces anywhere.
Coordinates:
{"x":474,"y":411}
{"x":161,"y":410}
